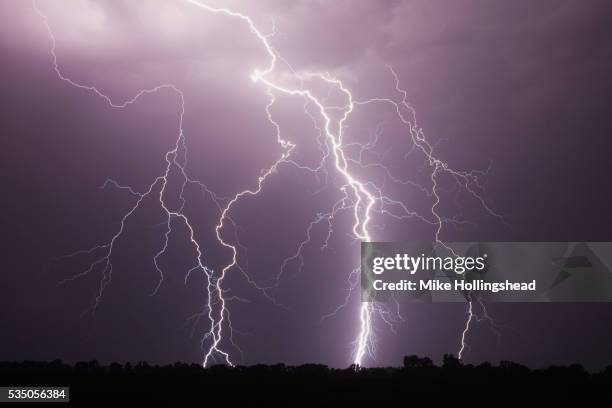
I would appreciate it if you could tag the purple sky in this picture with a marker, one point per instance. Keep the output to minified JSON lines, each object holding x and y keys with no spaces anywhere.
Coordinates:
{"x":515,"y":86}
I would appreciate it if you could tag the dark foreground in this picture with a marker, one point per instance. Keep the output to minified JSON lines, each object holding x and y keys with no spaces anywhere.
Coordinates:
{"x":89,"y":382}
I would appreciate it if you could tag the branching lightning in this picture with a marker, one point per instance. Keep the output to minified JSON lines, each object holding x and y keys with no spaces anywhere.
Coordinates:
{"x":363,"y":198}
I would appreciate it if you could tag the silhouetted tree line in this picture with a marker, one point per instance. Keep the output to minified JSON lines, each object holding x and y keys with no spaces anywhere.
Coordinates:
{"x":92,"y":382}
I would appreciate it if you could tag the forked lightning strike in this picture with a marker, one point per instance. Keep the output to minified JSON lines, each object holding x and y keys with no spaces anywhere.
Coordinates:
{"x":363,"y":198}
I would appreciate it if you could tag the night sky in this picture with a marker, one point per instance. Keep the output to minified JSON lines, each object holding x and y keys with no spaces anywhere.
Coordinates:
{"x":519,"y":88}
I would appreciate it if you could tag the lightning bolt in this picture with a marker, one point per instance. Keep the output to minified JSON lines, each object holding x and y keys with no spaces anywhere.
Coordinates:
{"x":363,"y":198}
{"x":176,"y":159}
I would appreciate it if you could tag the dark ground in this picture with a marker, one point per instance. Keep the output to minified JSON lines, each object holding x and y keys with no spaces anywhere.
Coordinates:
{"x":90,"y":382}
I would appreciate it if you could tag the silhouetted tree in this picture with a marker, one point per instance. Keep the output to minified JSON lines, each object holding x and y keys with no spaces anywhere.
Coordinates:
{"x":415,"y":362}
{"x":449,"y":361}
